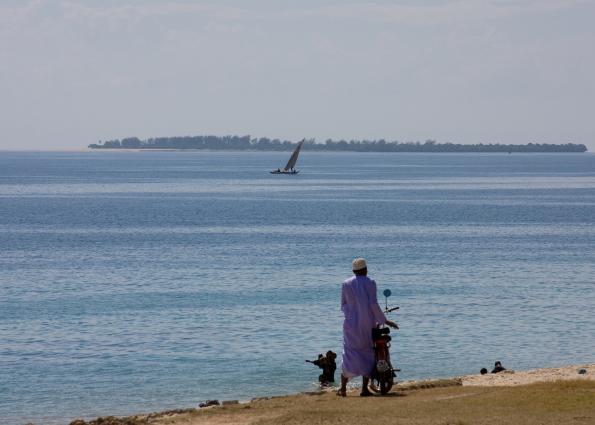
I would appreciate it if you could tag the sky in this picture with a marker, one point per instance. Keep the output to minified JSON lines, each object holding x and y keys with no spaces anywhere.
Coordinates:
{"x":462,"y":71}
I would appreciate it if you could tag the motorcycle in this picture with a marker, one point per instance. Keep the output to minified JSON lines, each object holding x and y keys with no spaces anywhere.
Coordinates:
{"x":384,"y":375}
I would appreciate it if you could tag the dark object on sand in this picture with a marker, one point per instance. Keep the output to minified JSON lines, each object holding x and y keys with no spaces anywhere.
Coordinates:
{"x":483,"y":371}
{"x":209,"y":403}
{"x":328,"y":365}
{"x":582,"y":371}
{"x":498,"y":367}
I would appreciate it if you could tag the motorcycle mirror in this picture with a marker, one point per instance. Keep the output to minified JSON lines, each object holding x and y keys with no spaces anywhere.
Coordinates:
{"x":386,"y":294}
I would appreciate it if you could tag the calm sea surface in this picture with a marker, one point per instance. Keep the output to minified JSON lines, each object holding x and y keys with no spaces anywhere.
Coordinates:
{"x":133,"y":282}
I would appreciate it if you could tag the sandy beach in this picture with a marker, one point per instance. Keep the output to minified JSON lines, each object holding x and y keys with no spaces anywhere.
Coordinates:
{"x":512,"y":378}
{"x":539,"y":396}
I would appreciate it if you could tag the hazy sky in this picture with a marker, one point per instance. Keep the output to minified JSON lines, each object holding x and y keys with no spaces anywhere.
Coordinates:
{"x":74,"y":72}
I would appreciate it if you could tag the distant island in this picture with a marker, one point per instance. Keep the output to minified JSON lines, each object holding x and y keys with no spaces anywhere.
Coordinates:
{"x":265,"y":144}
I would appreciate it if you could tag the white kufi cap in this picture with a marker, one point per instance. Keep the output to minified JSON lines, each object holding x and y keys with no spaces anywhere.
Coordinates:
{"x":358,"y":264}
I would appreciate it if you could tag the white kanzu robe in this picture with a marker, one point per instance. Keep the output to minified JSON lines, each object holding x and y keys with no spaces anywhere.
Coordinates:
{"x":362,"y":313}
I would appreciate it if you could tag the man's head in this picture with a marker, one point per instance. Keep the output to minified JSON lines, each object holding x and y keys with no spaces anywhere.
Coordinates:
{"x":359,"y":267}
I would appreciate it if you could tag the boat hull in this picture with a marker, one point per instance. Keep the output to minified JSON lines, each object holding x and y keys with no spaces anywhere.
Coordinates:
{"x":284,"y":172}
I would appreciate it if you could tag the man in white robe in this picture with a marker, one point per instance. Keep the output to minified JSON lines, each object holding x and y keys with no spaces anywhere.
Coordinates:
{"x":362,"y":313}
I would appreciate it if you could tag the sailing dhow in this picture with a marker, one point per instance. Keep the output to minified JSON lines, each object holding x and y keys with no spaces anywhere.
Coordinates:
{"x":289,"y":168}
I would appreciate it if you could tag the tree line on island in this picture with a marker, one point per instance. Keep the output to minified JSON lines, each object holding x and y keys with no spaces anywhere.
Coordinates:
{"x":381,"y":145}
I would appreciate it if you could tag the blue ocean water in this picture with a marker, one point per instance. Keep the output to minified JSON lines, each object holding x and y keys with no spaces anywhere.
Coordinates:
{"x":141,"y":281}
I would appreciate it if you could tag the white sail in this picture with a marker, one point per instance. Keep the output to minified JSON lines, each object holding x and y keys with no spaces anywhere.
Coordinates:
{"x":294,"y":157}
